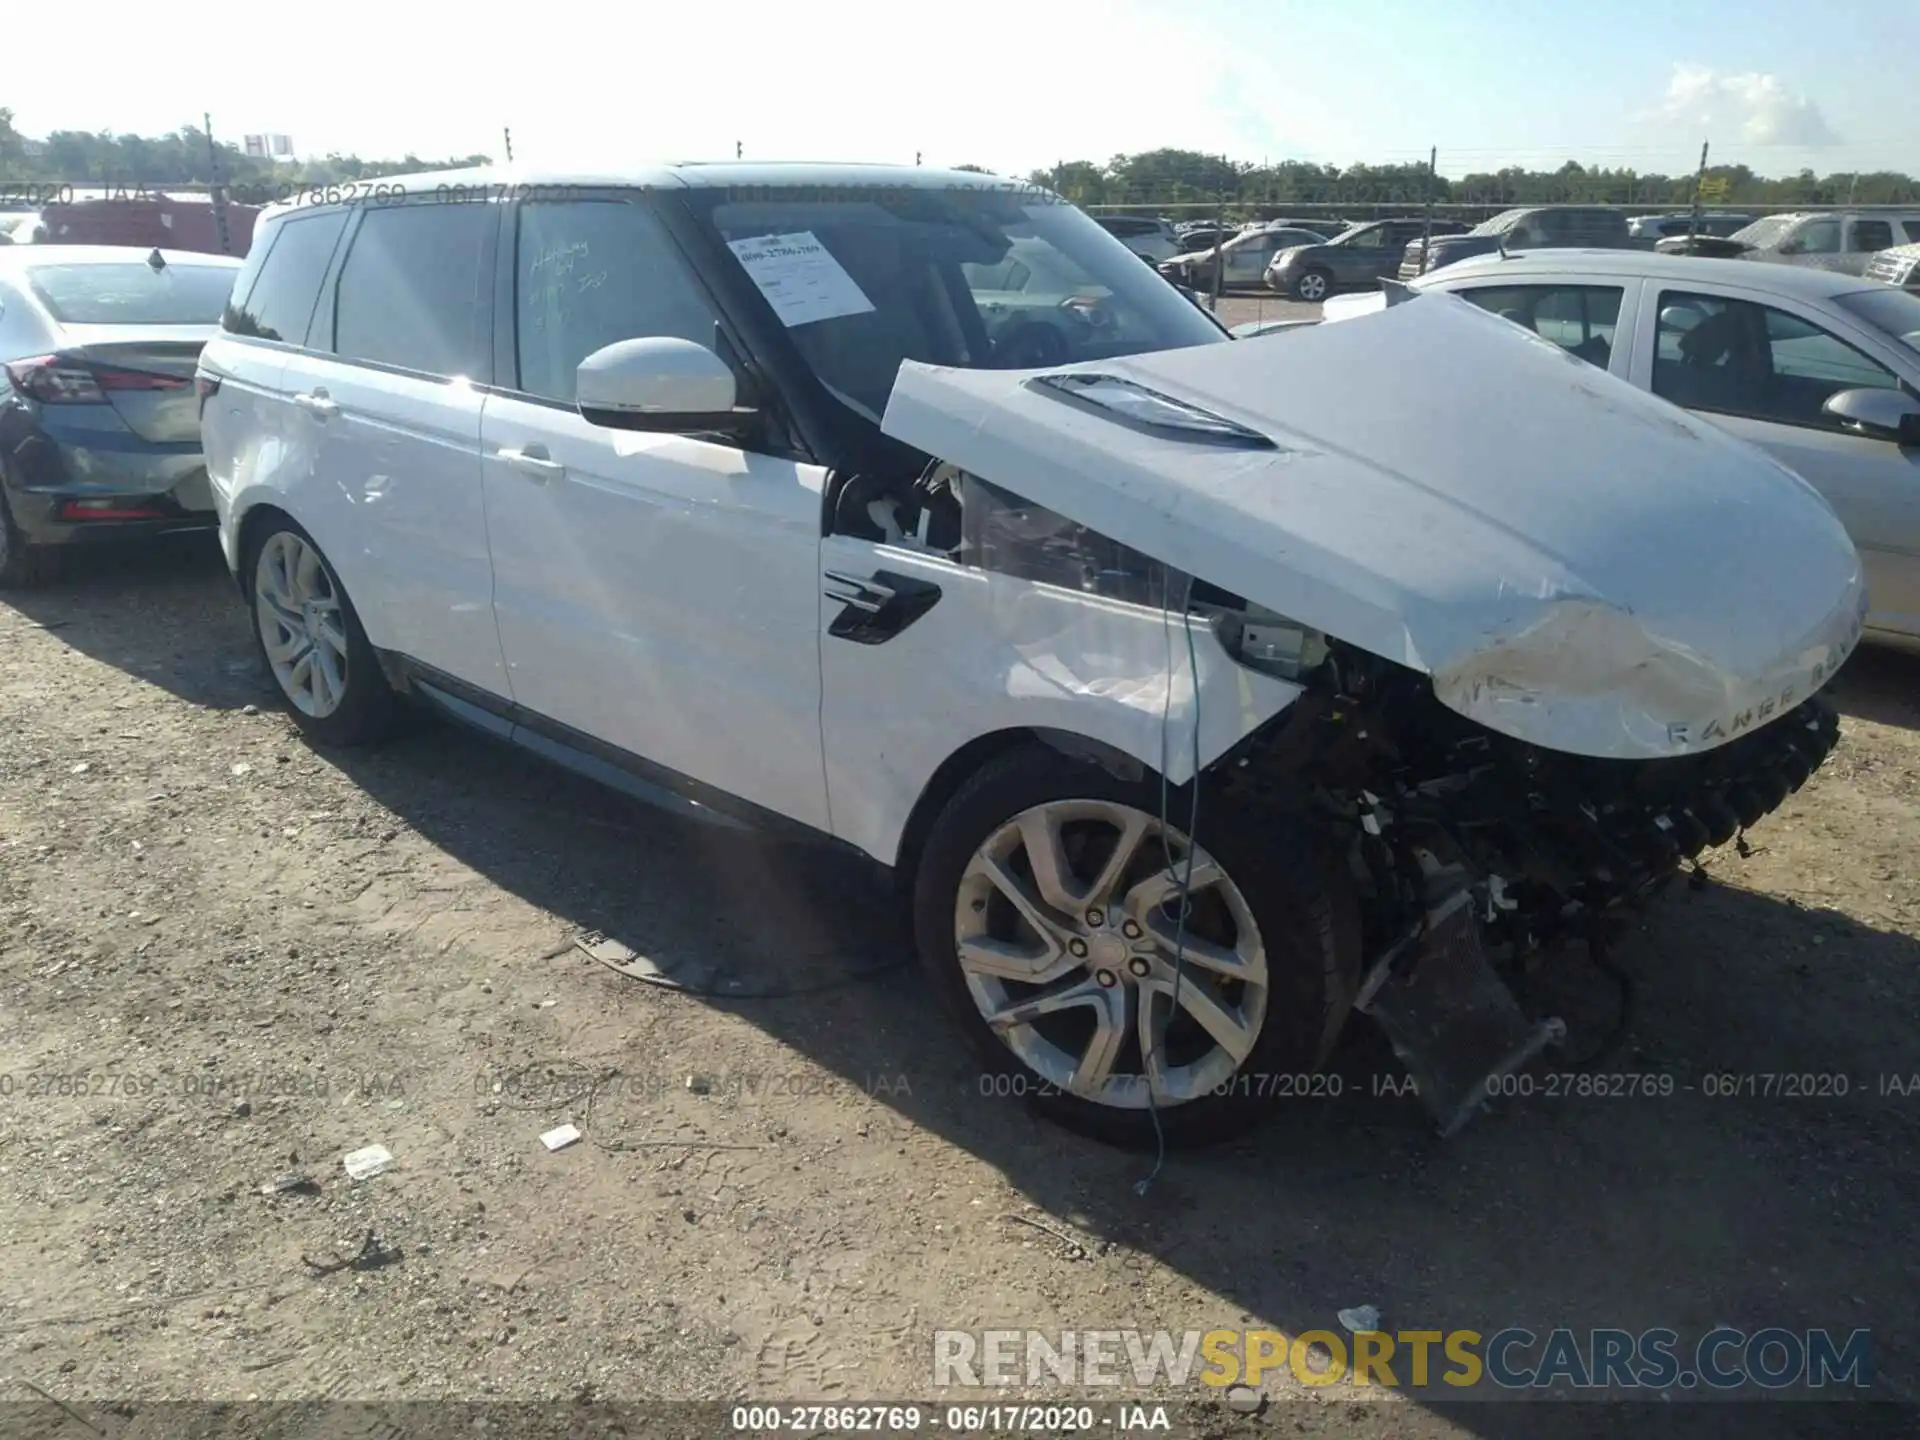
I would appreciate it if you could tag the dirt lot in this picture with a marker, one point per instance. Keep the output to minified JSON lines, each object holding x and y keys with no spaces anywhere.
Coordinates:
{"x":226,"y":957}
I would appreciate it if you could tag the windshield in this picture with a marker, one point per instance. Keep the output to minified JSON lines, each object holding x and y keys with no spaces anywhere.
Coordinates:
{"x":978,"y":279}
{"x":1896,"y":312}
{"x":134,"y":294}
{"x":1763,"y":233}
{"x":1499,"y":224}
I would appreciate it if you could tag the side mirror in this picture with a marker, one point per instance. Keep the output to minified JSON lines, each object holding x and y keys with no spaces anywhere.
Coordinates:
{"x":1789,"y":247}
{"x":1680,"y":317}
{"x":1878,"y":414}
{"x":658,"y":383}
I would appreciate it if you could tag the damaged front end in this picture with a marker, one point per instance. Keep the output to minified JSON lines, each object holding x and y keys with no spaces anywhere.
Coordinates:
{"x":1477,"y":855}
{"x":1543,"y":662}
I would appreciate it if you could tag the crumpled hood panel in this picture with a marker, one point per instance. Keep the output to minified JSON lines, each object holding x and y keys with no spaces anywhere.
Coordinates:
{"x":1575,"y":563}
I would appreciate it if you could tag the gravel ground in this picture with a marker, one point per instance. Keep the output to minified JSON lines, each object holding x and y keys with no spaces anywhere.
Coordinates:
{"x":225,"y":957}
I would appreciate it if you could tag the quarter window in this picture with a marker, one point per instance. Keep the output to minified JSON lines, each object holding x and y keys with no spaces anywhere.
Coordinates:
{"x":592,"y":272}
{"x":1741,"y":358}
{"x":413,"y":292}
{"x":276,"y":300}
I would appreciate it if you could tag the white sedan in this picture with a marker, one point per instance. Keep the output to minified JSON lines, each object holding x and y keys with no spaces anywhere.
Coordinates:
{"x":1820,"y":370}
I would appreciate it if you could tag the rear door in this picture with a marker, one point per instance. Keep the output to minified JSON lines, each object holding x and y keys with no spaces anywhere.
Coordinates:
{"x":1866,"y":234}
{"x":247,"y":428}
{"x":1581,"y":317}
{"x":657,"y":593}
{"x":389,"y":408}
{"x":1368,"y":254}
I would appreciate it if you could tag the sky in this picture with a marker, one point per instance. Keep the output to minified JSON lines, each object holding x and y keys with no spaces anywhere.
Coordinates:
{"x":1780,"y":85}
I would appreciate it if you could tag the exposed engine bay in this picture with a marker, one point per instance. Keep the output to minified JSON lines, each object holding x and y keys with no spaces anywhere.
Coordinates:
{"x":1437,"y":814}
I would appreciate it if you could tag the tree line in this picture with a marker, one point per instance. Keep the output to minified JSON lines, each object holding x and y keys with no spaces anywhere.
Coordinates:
{"x":1171,"y":177}
{"x":1153,"y":177}
{"x":85,"y":159}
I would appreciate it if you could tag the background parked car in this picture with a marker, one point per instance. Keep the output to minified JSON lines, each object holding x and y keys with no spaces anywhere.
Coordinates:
{"x":1840,"y":240}
{"x":1244,"y":256}
{"x":1899,"y":265}
{"x":1651,"y":228}
{"x":1358,"y":256}
{"x":1152,"y":238}
{"x":1821,"y":370}
{"x":1528,"y":228}
{"x":99,"y":419}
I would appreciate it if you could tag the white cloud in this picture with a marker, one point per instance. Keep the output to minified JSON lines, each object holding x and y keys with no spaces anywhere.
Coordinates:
{"x":1755,"y":107}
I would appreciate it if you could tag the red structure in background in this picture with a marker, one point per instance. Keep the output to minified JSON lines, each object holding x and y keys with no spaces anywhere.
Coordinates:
{"x":165,"y":221}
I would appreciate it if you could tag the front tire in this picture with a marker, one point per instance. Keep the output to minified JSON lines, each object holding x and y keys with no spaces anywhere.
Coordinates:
{"x":311,"y":640}
{"x":1046,"y":917}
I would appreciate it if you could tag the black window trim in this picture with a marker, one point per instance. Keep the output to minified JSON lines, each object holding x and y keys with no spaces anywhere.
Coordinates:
{"x":486,"y":346}
{"x":1661,"y":295}
{"x":786,"y":436}
{"x":279,"y":228}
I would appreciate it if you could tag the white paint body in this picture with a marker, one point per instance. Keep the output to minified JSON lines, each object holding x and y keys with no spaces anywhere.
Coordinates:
{"x":1584,"y":567}
{"x":1588,"y":569}
{"x":1873,"y":485}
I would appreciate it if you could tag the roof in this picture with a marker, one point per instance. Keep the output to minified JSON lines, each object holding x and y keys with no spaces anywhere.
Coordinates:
{"x":1794,"y":280}
{"x":695,"y":174}
{"x":18,"y":256}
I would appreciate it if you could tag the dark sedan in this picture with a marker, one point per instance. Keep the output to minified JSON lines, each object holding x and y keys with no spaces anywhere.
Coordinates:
{"x":99,"y":419}
{"x":1358,"y":256}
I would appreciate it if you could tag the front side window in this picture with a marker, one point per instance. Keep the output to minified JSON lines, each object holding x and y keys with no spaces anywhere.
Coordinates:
{"x":588,"y":273}
{"x":1821,"y":237}
{"x":278,"y":304}
{"x":414,"y":290}
{"x":1738,"y":357}
{"x":133,"y":293}
{"x":861,"y":284}
{"x":1578,"y":318}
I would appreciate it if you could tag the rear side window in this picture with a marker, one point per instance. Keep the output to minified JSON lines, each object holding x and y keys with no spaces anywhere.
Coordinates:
{"x":279,"y":303}
{"x":133,"y":294}
{"x":1870,"y":235}
{"x":413,"y":291}
{"x":1912,"y":228}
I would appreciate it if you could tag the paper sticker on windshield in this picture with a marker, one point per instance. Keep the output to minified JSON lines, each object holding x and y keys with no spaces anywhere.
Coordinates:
{"x":800,"y":278}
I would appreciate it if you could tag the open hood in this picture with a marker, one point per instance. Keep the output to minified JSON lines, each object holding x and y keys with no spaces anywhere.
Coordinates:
{"x":1574,"y":563}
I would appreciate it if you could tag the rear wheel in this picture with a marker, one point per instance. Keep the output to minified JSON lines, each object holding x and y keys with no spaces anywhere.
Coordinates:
{"x":1048,"y":910}
{"x":312,"y":641}
{"x":23,"y":566}
{"x":1312,"y":286}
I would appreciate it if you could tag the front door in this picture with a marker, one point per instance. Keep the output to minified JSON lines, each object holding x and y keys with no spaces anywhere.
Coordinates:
{"x":657,"y":593}
{"x":1763,"y":372}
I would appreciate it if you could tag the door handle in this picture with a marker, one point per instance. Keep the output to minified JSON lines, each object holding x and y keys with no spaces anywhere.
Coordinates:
{"x":316,"y":404}
{"x":533,"y":462}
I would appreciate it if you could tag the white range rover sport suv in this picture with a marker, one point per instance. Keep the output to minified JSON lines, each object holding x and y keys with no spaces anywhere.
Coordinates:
{"x":1197,"y":695}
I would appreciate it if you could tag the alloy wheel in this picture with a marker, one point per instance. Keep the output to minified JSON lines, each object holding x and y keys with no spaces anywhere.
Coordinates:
{"x":1313,"y":287}
{"x":301,"y":624}
{"x":1070,"y":936}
